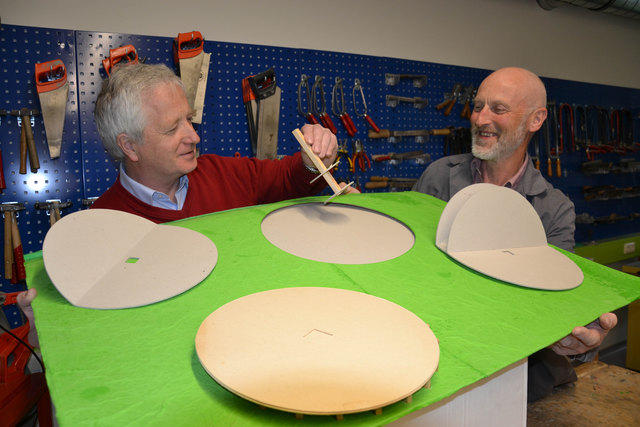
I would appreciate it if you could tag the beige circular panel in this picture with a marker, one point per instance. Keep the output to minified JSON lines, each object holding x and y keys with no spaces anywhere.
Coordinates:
{"x":321,"y":351}
{"x":336,"y":233}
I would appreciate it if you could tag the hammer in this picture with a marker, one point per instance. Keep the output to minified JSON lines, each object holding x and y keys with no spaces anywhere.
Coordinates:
{"x":27,"y":142}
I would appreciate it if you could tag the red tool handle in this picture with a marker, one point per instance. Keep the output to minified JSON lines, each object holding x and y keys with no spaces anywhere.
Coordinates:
{"x":352,"y":127}
{"x":328,"y":123}
{"x":345,"y":122}
{"x":125,"y":53}
{"x":373,"y":125}
{"x":50,"y":75}
{"x":18,"y":255}
{"x":312,"y":119}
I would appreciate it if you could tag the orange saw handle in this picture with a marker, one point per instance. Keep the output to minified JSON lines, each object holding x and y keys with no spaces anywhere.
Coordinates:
{"x":187,"y":45}
{"x":125,"y":53}
{"x":50,"y":75}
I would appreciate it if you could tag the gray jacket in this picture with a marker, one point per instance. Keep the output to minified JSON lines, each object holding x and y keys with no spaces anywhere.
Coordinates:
{"x":448,"y":175}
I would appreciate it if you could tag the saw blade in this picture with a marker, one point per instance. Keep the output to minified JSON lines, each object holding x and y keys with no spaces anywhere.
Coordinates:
{"x":54,"y":105}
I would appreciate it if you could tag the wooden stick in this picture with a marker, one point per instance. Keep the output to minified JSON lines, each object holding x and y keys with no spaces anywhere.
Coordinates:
{"x":8,"y":247}
{"x":317,"y":162}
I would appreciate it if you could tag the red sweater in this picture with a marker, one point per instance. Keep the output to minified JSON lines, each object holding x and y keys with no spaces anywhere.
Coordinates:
{"x":221,"y":183}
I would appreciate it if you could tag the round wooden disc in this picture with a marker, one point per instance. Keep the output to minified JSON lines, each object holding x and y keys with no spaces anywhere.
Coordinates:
{"x":337,"y":233}
{"x":320,"y":351}
{"x":101,"y":258}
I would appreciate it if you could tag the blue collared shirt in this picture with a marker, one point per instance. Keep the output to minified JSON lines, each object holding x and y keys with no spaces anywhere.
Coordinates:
{"x":152,"y":197}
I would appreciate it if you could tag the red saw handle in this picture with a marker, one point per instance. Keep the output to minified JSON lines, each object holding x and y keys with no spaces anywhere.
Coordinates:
{"x":50,"y":75}
{"x":125,"y":53}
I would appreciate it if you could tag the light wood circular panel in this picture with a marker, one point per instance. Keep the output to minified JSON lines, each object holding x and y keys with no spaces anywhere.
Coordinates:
{"x":314,"y":350}
{"x":337,"y":233}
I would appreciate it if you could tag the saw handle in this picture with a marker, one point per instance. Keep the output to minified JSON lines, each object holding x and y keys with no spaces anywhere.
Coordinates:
{"x":50,"y":75}
{"x":187,"y":45}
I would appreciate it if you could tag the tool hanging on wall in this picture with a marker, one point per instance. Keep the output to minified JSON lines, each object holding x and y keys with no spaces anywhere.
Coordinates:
{"x":553,"y":129}
{"x":419,"y":80}
{"x":305,"y":91}
{"x":193,"y":67}
{"x":467,"y":97}
{"x":53,"y":208}
{"x":458,"y":141}
{"x":391,"y":182}
{"x":421,"y":135}
{"x":125,"y":54}
{"x":394,"y":100}
{"x":25,"y":118}
{"x":325,"y":119}
{"x":360,"y":157}
{"x":3,"y":185}
{"x":568,"y":119}
{"x":53,"y":91}
{"x":357,"y":87}
{"x":343,"y":152}
{"x":261,"y":96}
{"x":450,"y":99}
{"x":14,"y":269}
{"x":419,"y":156}
{"x":339,"y":108}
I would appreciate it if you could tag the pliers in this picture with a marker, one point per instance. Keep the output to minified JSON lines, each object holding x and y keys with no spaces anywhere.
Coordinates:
{"x":359,"y":156}
{"x":343,"y":152}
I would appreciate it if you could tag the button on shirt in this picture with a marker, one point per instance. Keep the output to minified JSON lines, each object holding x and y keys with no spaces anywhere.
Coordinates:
{"x":153,"y":197}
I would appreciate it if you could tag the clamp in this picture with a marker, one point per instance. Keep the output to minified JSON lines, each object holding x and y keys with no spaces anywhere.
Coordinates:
{"x":357,"y":87}
{"x":322,"y":111}
{"x":339,"y":108}
{"x":304,"y":85}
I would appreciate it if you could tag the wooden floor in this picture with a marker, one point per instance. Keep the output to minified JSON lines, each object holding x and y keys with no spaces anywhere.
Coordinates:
{"x":604,"y":395}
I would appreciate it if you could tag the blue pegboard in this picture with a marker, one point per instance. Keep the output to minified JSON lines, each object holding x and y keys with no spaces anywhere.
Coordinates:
{"x":84,"y":169}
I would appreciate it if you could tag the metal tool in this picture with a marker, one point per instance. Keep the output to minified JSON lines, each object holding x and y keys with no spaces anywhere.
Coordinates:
{"x":321,"y":112}
{"x":419,"y":80}
{"x":467,"y":97}
{"x":125,"y":53}
{"x":360,"y":157}
{"x":450,"y":99}
{"x":393,"y":101}
{"x":27,"y":143}
{"x":53,"y":208}
{"x":3,"y":185}
{"x":357,"y":87}
{"x":266,"y":113}
{"x":304,"y":90}
{"x":13,"y":253}
{"x":193,"y":64}
{"x":53,"y":91}
{"x":339,"y":108}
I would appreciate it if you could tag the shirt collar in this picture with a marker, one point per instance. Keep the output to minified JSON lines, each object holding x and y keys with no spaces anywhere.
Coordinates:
{"x":153,"y":197}
{"x":477,"y":168}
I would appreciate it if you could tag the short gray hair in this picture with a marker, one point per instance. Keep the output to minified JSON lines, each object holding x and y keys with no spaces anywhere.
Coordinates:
{"x":118,"y":107}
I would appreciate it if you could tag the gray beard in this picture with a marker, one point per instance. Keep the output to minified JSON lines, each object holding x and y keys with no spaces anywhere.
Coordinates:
{"x":506,"y":144}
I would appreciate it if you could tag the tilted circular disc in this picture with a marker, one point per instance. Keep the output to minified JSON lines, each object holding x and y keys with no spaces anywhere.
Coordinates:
{"x":337,"y":233}
{"x":106,"y":259}
{"x":314,"y":350}
{"x":495,"y":231}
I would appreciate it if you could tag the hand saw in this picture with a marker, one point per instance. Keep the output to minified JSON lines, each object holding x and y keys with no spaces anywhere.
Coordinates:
{"x":266,"y":113}
{"x":193,"y":64}
{"x":125,"y":53}
{"x":53,"y":91}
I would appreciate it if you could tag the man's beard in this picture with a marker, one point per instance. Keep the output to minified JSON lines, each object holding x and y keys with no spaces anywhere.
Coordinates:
{"x":506,"y":144}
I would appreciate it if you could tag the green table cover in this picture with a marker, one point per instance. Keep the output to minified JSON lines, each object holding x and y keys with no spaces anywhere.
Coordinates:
{"x":139,"y":366}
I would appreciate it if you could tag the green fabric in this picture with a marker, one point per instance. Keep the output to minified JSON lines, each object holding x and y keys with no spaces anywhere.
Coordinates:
{"x":139,"y":366}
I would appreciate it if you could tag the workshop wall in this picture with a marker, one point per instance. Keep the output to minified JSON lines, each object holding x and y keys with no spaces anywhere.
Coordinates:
{"x":84,"y":170}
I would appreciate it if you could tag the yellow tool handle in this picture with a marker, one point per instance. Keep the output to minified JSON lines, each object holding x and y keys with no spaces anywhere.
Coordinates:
{"x":558,"y":167}
{"x":375,"y":184}
{"x":550,"y":170}
{"x":538,"y":164}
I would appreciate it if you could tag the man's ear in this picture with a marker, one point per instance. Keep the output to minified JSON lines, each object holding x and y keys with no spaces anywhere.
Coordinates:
{"x":538,"y":118}
{"x":128,"y":146}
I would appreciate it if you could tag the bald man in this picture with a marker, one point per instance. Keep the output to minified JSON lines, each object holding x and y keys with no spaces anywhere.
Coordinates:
{"x":509,"y":108}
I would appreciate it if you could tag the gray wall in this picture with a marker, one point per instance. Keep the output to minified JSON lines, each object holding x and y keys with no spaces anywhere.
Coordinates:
{"x":567,"y":43}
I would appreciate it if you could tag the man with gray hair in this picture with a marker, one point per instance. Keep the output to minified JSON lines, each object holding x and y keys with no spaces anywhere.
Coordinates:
{"x":144,"y":121}
{"x":509,"y":108}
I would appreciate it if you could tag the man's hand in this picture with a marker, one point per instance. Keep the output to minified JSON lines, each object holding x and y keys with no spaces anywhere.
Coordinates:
{"x":350,"y":190}
{"x":585,"y":338}
{"x":24,"y":300}
{"x":323,"y":142}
